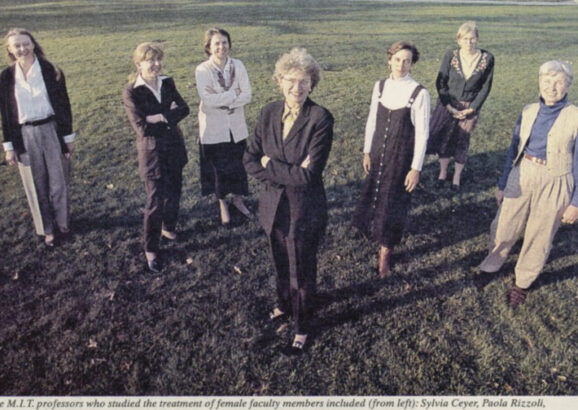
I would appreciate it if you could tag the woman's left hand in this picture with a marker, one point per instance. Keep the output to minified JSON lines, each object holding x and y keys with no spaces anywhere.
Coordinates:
{"x":411,"y":180}
{"x":570,"y":215}
{"x":461,"y":115}
{"x":11,"y":158}
{"x":264,"y":161}
{"x":70,"y":146}
{"x":153,"y":119}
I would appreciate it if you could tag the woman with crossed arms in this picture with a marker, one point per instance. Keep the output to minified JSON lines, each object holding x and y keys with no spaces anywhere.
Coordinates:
{"x":154,"y":108}
{"x":287,"y":155}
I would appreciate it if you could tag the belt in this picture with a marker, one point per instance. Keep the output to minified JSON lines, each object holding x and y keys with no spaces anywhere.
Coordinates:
{"x":39,"y":122}
{"x":536,"y":160}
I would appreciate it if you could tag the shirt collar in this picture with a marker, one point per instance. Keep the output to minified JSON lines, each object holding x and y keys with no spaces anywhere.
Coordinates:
{"x":294,"y":111}
{"x":140,"y":82}
{"x":34,"y":69}
{"x":406,"y":77}
{"x":226,"y":67}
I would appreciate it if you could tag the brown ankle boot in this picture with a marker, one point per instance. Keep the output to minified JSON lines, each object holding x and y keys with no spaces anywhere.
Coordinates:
{"x":517,"y":296}
{"x":383,"y":262}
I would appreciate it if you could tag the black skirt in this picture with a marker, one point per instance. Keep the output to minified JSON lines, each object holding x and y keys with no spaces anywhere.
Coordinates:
{"x":222,"y":170}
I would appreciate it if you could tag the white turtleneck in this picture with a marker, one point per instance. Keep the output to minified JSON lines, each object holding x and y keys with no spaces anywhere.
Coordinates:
{"x":396,"y":94}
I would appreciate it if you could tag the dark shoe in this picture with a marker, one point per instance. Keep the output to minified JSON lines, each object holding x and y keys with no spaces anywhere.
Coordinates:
{"x":296,"y":348}
{"x":482,"y":279}
{"x":384,"y":267}
{"x":440,"y":183}
{"x":517,"y":296}
{"x":456,"y":187}
{"x":154,"y":265}
{"x":242,"y":208}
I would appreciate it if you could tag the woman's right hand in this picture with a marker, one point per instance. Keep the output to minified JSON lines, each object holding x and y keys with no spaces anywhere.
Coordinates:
{"x":11,"y":157}
{"x":366,"y":163}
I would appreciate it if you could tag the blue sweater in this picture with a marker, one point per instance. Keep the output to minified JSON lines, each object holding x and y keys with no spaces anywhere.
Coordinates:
{"x":538,"y":142}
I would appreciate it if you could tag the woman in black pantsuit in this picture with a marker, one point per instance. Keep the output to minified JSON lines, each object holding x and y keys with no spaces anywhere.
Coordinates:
{"x":154,"y":108}
{"x":287,"y":155}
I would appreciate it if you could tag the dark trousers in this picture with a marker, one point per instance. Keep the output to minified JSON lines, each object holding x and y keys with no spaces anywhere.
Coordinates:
{"x":162,"y":205}
{"x":295,"y":260}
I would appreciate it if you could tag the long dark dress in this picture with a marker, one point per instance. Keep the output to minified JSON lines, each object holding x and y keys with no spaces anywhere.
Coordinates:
{"x":450,"y":137}
{"x":382,"y":209}
{"x":222,"y":170}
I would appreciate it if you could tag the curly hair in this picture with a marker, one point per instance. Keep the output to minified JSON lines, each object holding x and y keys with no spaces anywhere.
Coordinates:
{"x":298,"y":59}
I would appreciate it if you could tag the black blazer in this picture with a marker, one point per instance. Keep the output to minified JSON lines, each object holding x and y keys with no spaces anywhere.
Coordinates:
{"x":57,"y":95}
{"x":311,"y":135}
{"x":164,"y":139}
{"x":453,"y":87}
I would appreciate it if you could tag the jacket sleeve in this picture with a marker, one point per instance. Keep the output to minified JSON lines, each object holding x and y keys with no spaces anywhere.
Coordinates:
{"x":512,"y":153}
{"x":5,"y":108}
{"x":213,"y":100}
{"x":136,"y":115}
{"x":254,"y":151}
{"x":64,"y":115}
{"x":175,"y":115}
{"x":245,"y":96}
{"x":443,"y":79}
{"x":486,"y":86}
{"x":283,"y":173}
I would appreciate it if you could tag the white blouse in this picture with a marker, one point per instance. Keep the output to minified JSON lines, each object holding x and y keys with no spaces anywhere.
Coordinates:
{"x":32,"y":99}
{"x":396,"y":94}
{"x":31,"y":95}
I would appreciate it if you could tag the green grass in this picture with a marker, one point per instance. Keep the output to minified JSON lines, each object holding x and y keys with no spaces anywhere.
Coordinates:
{"x":86,"y":319}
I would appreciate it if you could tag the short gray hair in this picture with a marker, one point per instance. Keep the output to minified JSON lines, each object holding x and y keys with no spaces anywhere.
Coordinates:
{"x":556,"y":66}
{"x":298,"y":59}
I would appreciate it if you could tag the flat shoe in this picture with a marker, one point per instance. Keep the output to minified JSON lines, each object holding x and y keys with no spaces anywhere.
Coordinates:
{"x":170,"y":235}
{"x":154,"y":265}
{"x":49,"y":240}
{"x":483,"y":279}
{"x":440,"y":183}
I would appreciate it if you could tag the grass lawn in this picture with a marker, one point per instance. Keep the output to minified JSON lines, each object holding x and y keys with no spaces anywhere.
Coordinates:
{"x":87,"y":319}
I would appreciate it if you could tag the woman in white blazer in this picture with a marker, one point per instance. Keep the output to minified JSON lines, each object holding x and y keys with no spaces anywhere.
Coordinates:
{"x":224,"y":89}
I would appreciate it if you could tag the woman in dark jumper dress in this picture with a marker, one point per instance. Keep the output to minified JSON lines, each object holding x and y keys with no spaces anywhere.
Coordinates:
{"x":396,"y":136}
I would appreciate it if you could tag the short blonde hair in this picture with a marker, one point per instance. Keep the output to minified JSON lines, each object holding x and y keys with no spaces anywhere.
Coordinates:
{"x":554,"y":67}
{"x":298,"y":59}
{"x":147,"y":50}
{"x":466,"y":28}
